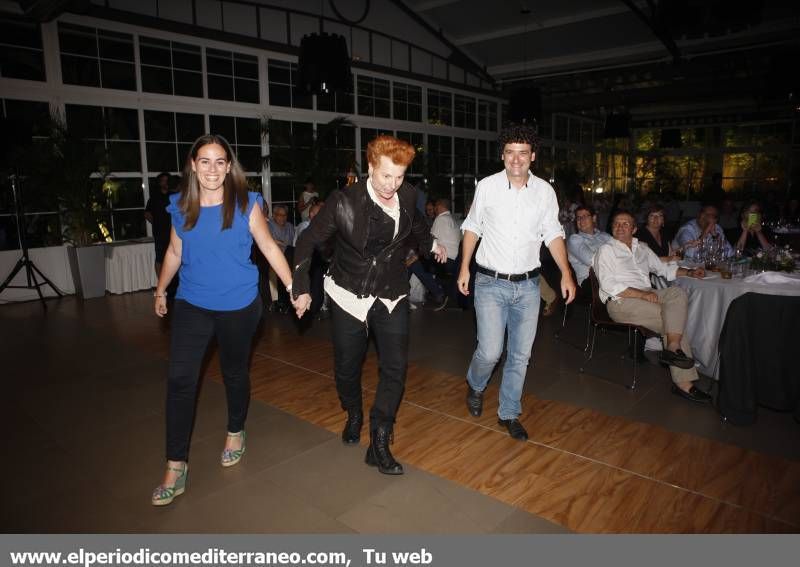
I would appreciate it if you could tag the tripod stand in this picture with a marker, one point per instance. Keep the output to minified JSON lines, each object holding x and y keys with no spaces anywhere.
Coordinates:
{"x":25,"y":262}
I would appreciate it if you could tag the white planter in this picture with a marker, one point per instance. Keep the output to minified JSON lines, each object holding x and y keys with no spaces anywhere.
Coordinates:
{"x":88,"y":264}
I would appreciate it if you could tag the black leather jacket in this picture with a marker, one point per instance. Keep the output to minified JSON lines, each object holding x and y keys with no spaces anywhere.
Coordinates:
{"x":352,"y":217}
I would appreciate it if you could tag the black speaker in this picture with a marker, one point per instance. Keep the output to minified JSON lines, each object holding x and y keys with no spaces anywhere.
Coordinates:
{"x":324,"y":64}
{"x":525,"y":105}
{"x":617,"y":126}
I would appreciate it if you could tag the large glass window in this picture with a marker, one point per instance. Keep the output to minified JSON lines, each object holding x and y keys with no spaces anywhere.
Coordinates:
{"x":169,"y":67}
{"x":290,"y":159}
{"x":463,"y":193}
{"x":232,"y":76}
{"x":341,"y":102}
{"x":290,"y":147}
{"x":342,"y":142}
{"x":440,"y":107}
{"x":283,"y":85}
{"x":465,"y":156}
{"x":464,"y":113}
{"x":169,"y":137}
{"x":96,"y":58}
{"x":113,"y":134}
{"x":374,"y":98}
{"x":244,"y":134}
{"x":440,"y":153}
{"x":489,"y":157}
{"x":487,"y":115}
{"x":21,"y":54}
{"x":125,"y":207}
{"x":407,"y":102}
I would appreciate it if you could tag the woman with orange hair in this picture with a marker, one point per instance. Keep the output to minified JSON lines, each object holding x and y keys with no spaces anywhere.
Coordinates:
{"x":373,"y":223}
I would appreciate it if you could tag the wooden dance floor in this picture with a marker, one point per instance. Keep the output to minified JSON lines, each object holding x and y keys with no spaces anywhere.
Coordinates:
{"x":583,"y":469}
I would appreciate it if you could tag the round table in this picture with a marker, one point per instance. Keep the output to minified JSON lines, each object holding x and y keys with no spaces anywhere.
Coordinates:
{"x":709,"y":299}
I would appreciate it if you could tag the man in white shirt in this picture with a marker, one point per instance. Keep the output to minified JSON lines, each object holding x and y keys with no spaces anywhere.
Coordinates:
{"x":446,"y":231}
{"x":623,"y":268}
{"x":372,"y":223}
{"x":513,"y":213}
{"x":583,"y":244}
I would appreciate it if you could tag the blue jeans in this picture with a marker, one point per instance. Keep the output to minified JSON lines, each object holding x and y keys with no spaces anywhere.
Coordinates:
{"x":502,"y":305}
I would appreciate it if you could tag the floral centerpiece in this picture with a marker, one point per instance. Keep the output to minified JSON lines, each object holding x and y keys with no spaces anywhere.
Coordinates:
{"x":773,"y":260}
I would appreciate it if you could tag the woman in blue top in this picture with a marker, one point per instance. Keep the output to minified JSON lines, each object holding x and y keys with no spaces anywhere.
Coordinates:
{"x":214,"y":223}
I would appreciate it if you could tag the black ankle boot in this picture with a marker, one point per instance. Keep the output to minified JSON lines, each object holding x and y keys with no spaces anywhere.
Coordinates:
{"x":378,"y":453}
{"x":351,"y":433}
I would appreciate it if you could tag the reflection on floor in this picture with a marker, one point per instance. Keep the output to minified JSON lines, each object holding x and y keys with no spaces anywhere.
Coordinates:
{"x":83,"y":410}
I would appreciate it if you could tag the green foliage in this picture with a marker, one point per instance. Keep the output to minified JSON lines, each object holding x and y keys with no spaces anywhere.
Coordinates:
{"x":59,"y":166}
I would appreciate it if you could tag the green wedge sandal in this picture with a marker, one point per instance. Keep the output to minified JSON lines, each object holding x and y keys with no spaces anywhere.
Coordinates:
{"x":232,"y":456}
{"x":164,"y":495}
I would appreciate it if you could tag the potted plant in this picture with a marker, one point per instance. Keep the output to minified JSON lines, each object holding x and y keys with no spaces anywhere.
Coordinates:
{"x":67,"y":170}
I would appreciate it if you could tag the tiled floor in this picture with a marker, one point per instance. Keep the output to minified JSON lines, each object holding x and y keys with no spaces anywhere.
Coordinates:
{"x":83,"y":411}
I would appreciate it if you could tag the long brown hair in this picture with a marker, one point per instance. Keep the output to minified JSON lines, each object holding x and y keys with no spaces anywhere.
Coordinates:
{"x":234,"y":188}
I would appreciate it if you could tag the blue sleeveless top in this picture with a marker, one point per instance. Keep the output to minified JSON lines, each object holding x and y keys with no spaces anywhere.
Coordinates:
{"x":216,"y":271}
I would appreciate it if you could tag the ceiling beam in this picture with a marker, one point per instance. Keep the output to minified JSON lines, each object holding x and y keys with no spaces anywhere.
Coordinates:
{"x":534,"y":66}
{"x":465,"y":61}
{"x":657,"y":26}
{"x":542,"y":24}
{"x":783,"y":32}
{"x":433,"y":4}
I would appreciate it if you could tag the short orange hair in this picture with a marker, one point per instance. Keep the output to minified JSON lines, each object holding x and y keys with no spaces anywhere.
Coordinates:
{"x":399,"y":151}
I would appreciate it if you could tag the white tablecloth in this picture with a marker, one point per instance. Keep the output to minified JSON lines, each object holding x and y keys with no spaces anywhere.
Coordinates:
{"x":130,"y":266}
{"x":708,"y":304}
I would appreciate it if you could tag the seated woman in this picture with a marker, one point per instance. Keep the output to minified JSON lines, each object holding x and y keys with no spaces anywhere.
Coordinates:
{"x":652,"y":233}
{"x":751,"y":235}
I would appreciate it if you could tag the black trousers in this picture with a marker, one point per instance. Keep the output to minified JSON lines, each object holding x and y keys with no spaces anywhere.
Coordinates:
{"x":192,"y":329}
{"x":350,"y":340}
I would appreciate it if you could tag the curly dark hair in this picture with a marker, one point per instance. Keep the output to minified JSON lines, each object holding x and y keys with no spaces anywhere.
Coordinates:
{"x":513,"y":133}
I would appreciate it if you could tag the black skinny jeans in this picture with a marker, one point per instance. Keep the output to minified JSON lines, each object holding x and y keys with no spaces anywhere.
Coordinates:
{"x":192,"y":329}
{"x":350,"y":340}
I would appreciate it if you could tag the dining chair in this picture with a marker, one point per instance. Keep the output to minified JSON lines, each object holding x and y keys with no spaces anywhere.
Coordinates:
{"x":599,"y":318}
{"x":581,"y":300}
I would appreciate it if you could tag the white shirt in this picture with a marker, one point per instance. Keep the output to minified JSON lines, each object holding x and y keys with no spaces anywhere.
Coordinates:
{"x":356,"y":306}
{"x":619,"y":267}
{"x":513,"y":223}
{"x":446,"y":232}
